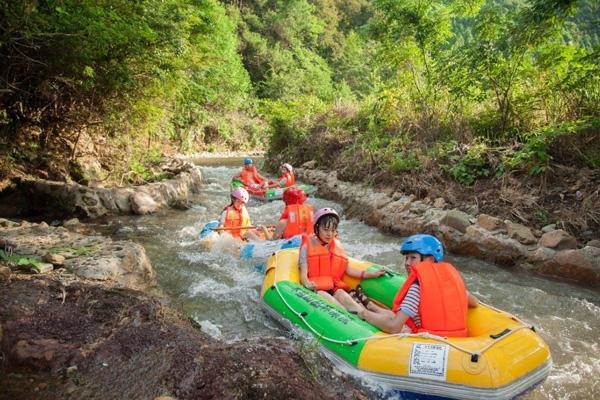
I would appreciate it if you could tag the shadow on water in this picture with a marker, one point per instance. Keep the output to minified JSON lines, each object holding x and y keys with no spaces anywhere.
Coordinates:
{"x":221,"y":293}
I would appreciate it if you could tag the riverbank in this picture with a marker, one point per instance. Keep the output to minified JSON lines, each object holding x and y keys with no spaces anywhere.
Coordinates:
{"x":72,"y":326}
{"x":550,"y":252}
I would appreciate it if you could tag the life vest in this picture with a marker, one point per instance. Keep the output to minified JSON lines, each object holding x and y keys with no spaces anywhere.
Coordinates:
{"x":251,"y":177}
{"x":443,"y":306}
{"x":299,"y":220}
{"x":235,"y":218}
{"x":290,"y":180}
{"x":326,"y":264}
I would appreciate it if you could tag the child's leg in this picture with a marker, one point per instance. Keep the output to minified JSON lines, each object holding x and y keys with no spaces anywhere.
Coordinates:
{"x":347,"y":301}
{"x":329,"y":298}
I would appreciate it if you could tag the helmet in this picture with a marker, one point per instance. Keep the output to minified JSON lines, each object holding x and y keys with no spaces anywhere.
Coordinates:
{"x":241,"y":194}
{"x":324,"y":211}
{"x":426,"y":245}
{"x":294,"y":195}
{"x":287,"y":166}
{"x":248,"y":161}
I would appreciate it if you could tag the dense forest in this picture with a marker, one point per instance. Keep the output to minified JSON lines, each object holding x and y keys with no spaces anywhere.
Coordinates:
{"x":463,"y":90}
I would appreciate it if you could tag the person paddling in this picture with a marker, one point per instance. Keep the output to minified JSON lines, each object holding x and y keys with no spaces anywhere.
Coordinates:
{"x":433,"y":298}
{"x":323,"y":261}
{"x":235,"y":217}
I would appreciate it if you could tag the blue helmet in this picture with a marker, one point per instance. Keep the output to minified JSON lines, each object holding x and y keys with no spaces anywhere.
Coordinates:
{"x":248,"y":161}
{"x":426,"y":245}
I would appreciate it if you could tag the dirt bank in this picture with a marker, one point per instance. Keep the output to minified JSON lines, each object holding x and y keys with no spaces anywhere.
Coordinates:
{"x":62,"y":338}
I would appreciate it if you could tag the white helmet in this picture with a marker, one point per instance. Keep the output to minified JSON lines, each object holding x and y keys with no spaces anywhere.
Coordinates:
{"x":287,"y":166}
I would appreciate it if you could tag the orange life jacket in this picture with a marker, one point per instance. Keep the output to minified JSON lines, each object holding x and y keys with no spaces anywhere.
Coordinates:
{"x":299,"y":220}
{"x":443,"y":306}
{"x":251,"y":177}
{"x":326,"y":264}
{"x":289,"y":177}
{"x":235,"y":218}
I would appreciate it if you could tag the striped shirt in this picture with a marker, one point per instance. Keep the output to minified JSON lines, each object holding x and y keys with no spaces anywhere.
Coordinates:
{"x":410,"y":304}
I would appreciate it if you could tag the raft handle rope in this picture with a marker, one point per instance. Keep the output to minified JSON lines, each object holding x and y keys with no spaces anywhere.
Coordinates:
{"x":426,"y":335}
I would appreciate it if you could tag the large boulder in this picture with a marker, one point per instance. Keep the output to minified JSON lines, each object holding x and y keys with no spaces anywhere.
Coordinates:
{"x":582,"y":265}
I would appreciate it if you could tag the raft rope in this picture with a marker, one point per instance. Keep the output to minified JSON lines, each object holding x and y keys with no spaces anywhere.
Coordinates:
{"x":425,"y":335}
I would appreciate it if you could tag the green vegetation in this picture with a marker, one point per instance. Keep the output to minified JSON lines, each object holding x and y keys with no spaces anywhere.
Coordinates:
{"x":476,"y":88}
{"x":20,"y":261}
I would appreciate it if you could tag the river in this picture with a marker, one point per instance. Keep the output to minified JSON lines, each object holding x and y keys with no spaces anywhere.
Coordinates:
{"x":221,"y":293}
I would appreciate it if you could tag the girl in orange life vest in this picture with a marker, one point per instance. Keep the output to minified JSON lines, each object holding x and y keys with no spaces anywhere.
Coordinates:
{"x":286,"y":179}
{"x":250,"y":177}
{"x":297,"y":217}
{"x":417,"y":303}
{"x":235,"y":215}
{"x":323,"y":262}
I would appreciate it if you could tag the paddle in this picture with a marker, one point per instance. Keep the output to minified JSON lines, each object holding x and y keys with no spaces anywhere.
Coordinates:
{"x":230,"y":228}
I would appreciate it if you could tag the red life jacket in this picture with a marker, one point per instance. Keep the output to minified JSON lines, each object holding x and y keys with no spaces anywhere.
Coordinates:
{"x":250,"y":177}
{"x":443,"y":306}
{"x":290,"y":180}
{"x":326,"y":264}
{"x":235,"y":218}
{"x":299,"y":220}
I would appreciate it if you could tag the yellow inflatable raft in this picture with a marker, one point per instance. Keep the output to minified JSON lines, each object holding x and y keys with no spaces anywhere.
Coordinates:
{"x":501,"y":358}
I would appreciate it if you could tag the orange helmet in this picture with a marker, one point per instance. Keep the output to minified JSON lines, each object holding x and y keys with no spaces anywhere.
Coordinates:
{"x":294,"y":195}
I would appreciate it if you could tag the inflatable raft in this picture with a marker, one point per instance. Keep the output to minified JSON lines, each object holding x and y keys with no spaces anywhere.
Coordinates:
{"x":501,"y":358}
{"x":270,"y":194}
{"x":255,"y":252}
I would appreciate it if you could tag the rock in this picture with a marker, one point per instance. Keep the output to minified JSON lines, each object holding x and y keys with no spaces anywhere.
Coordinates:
{"x":41,"y":268}
{"x":71,"y":222}
{"x":540,"y":255}
{"x":456,"y":219}
{"x":37,"y":353}
{"x":549,"y":228}
{"x":582,"y":265}
{"x":312,"y":164}
{"x":71,"y":371}
{"x":7,"y":223}
{"x":481,"y":243}
{"x":519,"y":232}
{"x":558,"y":240}
{"x":54,"y":259}
{"x":4,"y":273}
{"x":593,"y":243}
{"x":142,"y":203}
{"x":472,"y":209}
{"x":439,"y":202}
{"x":490,"y":223}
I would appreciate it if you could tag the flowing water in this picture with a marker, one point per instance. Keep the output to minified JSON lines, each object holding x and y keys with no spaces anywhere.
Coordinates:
{"x":221,"y":292}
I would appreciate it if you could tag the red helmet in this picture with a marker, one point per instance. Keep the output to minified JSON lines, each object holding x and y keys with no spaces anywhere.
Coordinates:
{"x":294,"y":195}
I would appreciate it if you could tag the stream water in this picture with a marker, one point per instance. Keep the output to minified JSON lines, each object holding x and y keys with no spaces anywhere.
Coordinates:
{"x":221,"y":292}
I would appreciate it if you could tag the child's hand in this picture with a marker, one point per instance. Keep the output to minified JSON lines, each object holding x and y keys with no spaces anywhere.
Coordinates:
{"x":377,"y":273}
{"x":311,"y":286}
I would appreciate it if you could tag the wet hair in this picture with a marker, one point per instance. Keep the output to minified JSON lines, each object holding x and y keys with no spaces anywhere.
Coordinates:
{"x":327,"y":221}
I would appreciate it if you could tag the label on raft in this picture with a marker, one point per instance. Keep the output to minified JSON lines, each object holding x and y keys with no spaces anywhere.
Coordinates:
{"x":429,"y":361}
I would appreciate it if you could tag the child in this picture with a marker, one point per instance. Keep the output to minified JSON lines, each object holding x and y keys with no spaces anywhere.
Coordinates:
{"x":297,"y":217}
{"x":433,"y":298}
{"x":250,"y":177}
{"x":235,"y":216}
{"x":323,"y":261}
{"x":286,"y":179}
